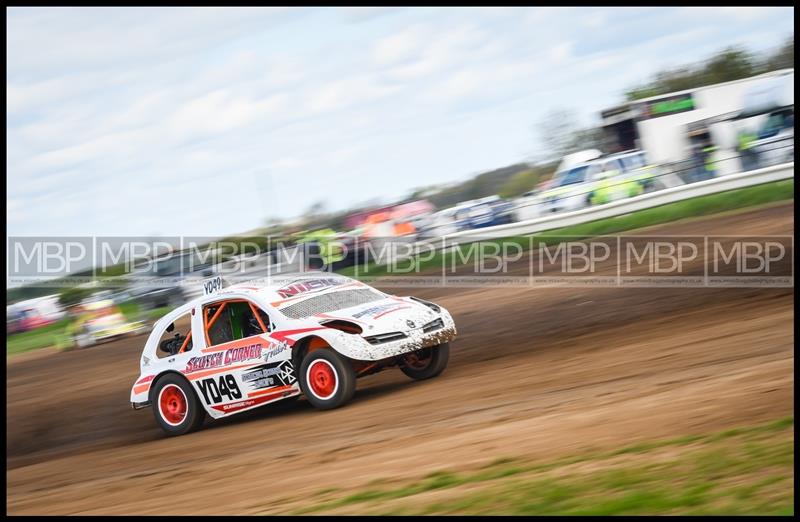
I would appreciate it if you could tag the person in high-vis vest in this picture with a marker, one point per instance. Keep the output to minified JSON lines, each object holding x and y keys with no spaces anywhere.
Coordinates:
{"x":322,"y":248}
{"x":708,"y":161}
{"x":746,"y":151}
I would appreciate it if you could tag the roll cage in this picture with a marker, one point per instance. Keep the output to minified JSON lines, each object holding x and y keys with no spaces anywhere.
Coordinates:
{"x":204,"y":316}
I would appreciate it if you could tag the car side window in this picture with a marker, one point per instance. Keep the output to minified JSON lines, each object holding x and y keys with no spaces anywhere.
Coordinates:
{"x":231,"y":320}
{"x":176,"y":337}
{"x":217,"y":324}
{"x":635,"y":161}
{"x":594,"y":172}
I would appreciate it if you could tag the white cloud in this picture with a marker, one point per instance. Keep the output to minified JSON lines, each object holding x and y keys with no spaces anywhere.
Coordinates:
{"x":402,"y":45}
{"x":595,"y":20}
{"x":560,"y":52}
{"x":344,"y":154}
{"x":346,"y":92}
{"x":287,"y":163}
{"x":221,"y":111}
{"x":22,"y":97}
{"x":438,"y":51}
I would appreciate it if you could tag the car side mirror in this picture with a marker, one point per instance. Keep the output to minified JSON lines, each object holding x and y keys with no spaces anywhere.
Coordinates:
{"x":171,"y":327}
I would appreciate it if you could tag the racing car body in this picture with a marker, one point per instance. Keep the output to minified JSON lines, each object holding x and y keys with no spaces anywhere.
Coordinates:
{"x":102,"y":321}
{"x":594,"y":182}
{"x":312,"y":334}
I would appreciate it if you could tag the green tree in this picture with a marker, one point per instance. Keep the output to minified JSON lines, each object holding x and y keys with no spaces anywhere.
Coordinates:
{"x":731,"y":63}
{"x":74,"y":295}
{"x":520,"y":183}
{"x":783,"y":58}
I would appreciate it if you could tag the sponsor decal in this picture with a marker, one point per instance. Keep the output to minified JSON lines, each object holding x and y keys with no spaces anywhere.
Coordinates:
{"x":217,"y":389}
{"x":247,"y":403}
{"x":276,"y":349}
{"x":667,"y":106}
{"x":229,"y":356}
{"x":313,"y":285}
{"x":280,"y":373}
{"x":375,"y":310}
{"x":239,"y":405}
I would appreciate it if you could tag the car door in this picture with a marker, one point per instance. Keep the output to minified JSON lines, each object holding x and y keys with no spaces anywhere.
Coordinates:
{"x":175,"y":345}
{"x":241,"y":367}
{"x":615,"y":180}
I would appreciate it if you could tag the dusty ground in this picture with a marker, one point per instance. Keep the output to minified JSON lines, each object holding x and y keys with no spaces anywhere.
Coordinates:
{"x":534,"y":373}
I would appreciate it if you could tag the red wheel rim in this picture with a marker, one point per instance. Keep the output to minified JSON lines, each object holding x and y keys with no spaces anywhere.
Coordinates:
{"x":172,"y":404}
{"x":418,"y":360}
{"x":321,"y":377}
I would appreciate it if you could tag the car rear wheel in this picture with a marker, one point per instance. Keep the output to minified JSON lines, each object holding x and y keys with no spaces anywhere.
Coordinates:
{"x":175,"y":406}
{"x":425,"y":363}
{"x":327,"y":379}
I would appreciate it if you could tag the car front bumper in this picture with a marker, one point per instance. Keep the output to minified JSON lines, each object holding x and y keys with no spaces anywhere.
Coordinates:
{"x":415,"y":339}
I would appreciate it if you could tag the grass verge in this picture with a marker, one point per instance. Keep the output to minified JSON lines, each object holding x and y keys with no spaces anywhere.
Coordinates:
{"x":735,"y":472}
{"x":55,"y":333}
{"x":38,"y":338}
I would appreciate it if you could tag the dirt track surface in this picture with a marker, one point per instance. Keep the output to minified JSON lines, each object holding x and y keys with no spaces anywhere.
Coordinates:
{"x":535,"y":373}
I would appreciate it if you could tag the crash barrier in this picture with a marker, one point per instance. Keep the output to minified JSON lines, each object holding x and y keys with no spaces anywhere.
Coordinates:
{"x":626,"y":206}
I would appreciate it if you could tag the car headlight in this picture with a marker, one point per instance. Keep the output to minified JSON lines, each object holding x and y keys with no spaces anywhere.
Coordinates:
{"x":436,"y":308}
{"x":436,"y":324}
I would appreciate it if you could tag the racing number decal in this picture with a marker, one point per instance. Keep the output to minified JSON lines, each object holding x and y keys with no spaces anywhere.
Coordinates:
{"x":217,"y":389}
{"x":212,"y":286}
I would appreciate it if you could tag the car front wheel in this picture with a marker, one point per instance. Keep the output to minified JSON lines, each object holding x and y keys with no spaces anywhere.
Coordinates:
{"x":425,"y":363}
{"x":327,"y":379}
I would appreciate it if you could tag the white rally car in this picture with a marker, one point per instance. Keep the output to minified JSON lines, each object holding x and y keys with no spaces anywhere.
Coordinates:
{"x":250,"y":344}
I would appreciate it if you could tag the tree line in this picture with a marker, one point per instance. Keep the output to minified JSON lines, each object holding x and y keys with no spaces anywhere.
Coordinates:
{"x":731,"y":63}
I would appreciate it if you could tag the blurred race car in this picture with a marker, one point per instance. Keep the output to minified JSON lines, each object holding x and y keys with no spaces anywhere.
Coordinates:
{"x":103,"y":321}
{"x":441,"y":223}
{"x":591,"y":179}
{"x":250,"y":344}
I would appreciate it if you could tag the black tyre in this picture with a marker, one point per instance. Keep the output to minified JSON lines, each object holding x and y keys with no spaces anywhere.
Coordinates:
{"x":425,"y":363}
{"x":175,"y":405}
{"x":327,"y":379}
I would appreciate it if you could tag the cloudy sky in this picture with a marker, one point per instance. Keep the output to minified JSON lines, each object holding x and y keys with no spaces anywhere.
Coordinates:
{"x":207,"y":121}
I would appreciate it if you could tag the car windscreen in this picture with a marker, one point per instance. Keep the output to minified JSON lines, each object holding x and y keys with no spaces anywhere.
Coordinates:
{"x":774,"y":124}
{"x":572,"y":176}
